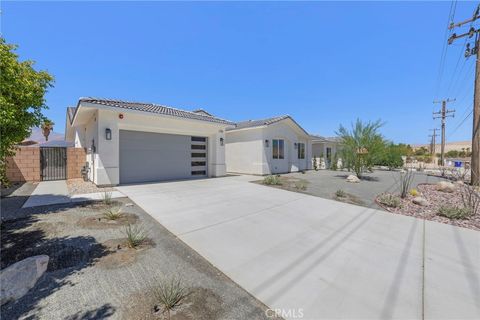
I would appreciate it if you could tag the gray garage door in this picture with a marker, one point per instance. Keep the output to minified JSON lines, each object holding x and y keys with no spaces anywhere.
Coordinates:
{"x":146,"y":156}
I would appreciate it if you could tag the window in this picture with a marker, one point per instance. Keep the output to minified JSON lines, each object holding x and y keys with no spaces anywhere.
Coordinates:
{"x":198,"y":155}
{"x":301,"y":150}
{"x":198,"y":147}
{"x":199,"y":173}
{"x":199,"y":139}
{"x":198,"y":163}
{"x":329,"y":153}
{"x":278,"y":151}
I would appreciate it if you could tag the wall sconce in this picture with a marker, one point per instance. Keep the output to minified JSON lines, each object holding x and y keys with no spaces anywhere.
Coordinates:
{"x":295,"y":145}
{"x":108,"y":134}
{"x":266,"y":143}
{"x":221,"y":141}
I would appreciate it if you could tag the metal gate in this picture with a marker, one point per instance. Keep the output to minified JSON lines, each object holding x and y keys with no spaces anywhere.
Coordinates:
{"x":53,"y":163}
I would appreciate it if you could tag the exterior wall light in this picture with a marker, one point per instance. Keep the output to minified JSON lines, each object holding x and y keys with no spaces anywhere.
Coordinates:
{"x":266,"y":143}
{"x":108,"y":134}
{"x":295,"y":145}
{"x":221,"y":141}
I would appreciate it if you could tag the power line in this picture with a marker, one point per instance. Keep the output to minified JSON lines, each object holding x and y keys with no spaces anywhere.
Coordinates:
{"x":460,"y":124}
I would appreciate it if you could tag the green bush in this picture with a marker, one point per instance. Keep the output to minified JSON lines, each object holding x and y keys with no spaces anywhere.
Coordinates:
{"x":135,"y":235}
{"x":272,"y":180}
{"x":340,"y":193}
{"x":454,"y":212}
{"x":389,"y":200}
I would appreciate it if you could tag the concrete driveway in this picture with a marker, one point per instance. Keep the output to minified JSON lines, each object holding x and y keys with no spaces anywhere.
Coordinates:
{"x":318,"y":258}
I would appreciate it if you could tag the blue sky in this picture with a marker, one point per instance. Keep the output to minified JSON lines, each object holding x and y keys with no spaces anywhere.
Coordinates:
{"x":324,"y":63}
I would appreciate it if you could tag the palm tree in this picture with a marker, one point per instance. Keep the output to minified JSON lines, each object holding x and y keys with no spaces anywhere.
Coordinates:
{"x":47,"y":127}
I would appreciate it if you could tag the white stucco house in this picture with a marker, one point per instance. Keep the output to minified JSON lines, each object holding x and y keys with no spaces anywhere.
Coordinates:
{"x":324,"y":149}
{"x":131,"y":142}
{"x":274,"y":145}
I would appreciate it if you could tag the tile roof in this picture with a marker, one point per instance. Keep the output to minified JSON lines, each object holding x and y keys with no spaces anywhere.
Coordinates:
{"x":257,"y":123}
{"x":263,"y":122}
{"x":325,"y":139}
{"x":154,"y":108}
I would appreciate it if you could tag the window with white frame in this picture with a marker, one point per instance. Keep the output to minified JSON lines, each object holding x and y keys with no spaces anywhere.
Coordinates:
{"x":301,"y":150}
{"x":278,"y":146}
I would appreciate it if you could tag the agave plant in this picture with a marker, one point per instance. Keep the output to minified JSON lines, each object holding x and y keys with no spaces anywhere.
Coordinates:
{"x":170,"y":293}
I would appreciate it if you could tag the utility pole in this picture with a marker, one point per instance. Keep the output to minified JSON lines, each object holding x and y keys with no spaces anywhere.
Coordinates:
{"x":443,"y":114}
{"x":434,"y":143}
{"x":475,"y":161}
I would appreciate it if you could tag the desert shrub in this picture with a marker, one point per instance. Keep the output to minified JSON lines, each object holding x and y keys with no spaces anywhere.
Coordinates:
{"x":272,"y":180}
{"x":470,"y":198}
{"x":414,"y":192}
{"x":389,"y":200}
{"x":170,"y":294}
{"x":300,"y":185}
{"x":454,"y":212}
{"x":135,"y":235}
{"x":404,"y":182}
{"x":334,"y":165}
{"x":315,"y":164}
{"x":107,"y":198}
{"x":113,"y":213}
{"x":340,"y":193}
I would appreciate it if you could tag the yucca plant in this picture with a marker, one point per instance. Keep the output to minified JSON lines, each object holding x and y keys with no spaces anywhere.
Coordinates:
{"x":113,"y":213}
{"x":135,"y":235}
{"x":170,"y":293}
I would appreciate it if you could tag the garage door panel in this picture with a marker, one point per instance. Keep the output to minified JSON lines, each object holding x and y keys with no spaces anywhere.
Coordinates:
{"x":146,"y":156}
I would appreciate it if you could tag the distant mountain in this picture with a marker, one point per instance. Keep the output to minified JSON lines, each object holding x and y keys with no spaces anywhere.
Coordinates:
{"x":37,"y":136}
{"x":456,"y":145}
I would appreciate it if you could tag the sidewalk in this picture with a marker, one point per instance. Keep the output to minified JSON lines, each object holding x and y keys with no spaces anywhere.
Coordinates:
{"x":56,"y":192}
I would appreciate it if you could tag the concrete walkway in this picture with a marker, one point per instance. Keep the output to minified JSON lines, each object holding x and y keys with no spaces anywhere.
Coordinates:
{"x":321,"y":258}
{"x":56,"y":192}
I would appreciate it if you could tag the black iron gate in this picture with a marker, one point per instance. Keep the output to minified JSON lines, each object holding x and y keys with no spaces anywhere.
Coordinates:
{"x":53,"y":163}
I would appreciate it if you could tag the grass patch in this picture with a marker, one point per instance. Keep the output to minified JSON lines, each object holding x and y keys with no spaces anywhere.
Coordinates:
{"x":453,"y":212}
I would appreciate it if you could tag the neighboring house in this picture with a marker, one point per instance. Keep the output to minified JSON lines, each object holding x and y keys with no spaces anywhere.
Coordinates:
{"x":325,"y":148}
{"x":131,"y":142}
{"x":274,"y":145}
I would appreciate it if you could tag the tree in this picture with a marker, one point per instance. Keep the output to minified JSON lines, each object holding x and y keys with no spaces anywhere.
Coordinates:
{"x":392,"y":156}
{"x":362,"y":146}
{"x":47,"y":127}
{"x":22,"y":101}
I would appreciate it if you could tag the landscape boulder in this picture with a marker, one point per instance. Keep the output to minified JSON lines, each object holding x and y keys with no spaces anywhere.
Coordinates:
{"x":445,"y":186}
{"x":20,"y":277}
{"x":420,"y":201}
{"x":353,"y":179}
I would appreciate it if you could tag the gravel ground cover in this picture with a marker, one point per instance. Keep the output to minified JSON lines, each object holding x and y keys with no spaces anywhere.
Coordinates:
{"x":79,"y":186}
{"x":94,"y":274}
{"x":436,"y":199}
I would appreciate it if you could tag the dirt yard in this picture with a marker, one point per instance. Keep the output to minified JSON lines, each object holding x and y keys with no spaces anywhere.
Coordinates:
{"x":94,"y":274}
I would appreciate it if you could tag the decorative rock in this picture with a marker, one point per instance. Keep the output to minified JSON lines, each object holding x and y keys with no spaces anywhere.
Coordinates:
{"x":353,"y":179}
{"x":20,"y":277}
{"x":420,"y":201}
{"x":445,"y":186}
